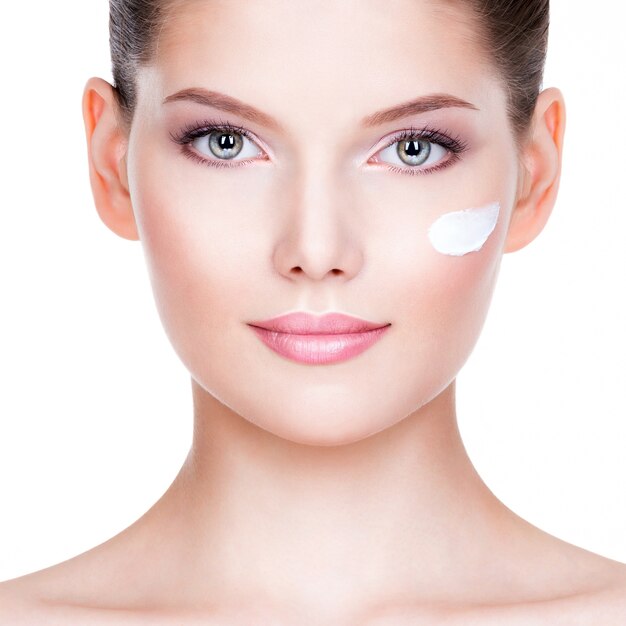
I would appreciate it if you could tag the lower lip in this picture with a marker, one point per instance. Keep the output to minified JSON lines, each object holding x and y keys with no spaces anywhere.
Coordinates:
{"x":319,"y":349}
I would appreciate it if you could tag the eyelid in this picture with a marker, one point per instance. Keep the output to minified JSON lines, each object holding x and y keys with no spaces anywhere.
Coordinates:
{"x":444,"y":138}
{"x":186,"y":135}
{"x":453,"y":145}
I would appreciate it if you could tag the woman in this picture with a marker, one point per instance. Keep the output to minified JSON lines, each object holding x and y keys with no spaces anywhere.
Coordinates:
{"x":268,"y":170}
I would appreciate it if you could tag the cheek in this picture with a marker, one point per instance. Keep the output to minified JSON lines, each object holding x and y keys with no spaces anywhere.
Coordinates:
{"x":192,"y":246}
{"x":452,"y":285}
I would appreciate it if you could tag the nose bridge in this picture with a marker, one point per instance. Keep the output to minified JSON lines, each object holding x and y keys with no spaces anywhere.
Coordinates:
{"x":318,"y":234}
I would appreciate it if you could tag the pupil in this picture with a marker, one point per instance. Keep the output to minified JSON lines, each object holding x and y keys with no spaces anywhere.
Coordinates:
{"x":413,"y":148}
{"x":414,"y":151}
{"x":227,"y":142}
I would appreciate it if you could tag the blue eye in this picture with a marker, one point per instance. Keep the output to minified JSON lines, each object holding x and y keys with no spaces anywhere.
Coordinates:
{"x":216,"y":143}
{"x":224,"y":144}
{"x":420,"y":151}
{"x":414,"y":152}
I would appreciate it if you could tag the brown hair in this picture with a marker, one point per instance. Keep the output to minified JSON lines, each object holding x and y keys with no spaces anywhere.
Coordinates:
{"x":133,"y":35}
{"x":514,"y":32}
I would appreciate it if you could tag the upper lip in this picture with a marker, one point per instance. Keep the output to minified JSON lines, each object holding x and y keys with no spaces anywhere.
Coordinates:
{"x":302,"y":323}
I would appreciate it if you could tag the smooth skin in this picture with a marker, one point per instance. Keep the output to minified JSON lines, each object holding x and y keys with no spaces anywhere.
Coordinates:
{"x":322,"y":495}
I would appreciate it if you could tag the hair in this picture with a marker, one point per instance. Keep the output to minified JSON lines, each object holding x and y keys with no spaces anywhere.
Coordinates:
{"x":514,"y":32}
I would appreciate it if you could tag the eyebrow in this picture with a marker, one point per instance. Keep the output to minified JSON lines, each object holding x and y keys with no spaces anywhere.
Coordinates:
{"x":226,"y":103}
{"x":423,"y":104}
{"x":229,"y":104}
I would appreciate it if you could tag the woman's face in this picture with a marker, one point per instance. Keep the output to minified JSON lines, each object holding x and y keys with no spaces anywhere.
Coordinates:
{"x":310,"y":217}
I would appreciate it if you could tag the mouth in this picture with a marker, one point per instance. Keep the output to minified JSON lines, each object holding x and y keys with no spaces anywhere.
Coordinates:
{"x":302,"y":323}
{"x":312,"y":339}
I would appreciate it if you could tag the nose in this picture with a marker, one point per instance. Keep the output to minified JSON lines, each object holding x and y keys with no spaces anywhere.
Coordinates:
{"x":319,"y":235}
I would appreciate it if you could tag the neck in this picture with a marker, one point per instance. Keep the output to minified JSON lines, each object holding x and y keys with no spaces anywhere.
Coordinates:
{"x":331,"y":526}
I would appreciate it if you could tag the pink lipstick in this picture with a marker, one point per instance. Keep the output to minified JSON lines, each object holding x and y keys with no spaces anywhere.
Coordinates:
{"x":317,"y":339}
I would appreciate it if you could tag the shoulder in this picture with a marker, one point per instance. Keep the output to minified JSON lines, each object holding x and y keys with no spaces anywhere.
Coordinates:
{"x":21,"y":605}
{"x":31,"y":600}
{"x":16,"y":608}
{"x":576,"y":587}
{"x":600,"y":607}
{"x":600,"y":601}
{"x":607,"y":605}
{"x":28,"y":601}
{"x":596,"y":605}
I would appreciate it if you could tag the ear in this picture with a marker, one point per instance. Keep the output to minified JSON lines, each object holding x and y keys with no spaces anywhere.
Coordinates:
{"x":107,"y":144}
{"x":540,"y":172}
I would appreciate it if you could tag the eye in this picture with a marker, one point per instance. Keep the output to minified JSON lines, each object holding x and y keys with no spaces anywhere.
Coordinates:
{"x":218,"y":144}
{"x":420,"y":151}
{"x":415,"y":152}
{"x":225,"y":144}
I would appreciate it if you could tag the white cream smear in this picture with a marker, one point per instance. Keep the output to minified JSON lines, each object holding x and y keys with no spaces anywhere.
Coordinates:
{"x":460,"y":232}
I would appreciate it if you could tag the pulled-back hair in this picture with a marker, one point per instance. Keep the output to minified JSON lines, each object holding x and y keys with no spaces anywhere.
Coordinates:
{"x":513,"y":32}
{"x":133,"y":37}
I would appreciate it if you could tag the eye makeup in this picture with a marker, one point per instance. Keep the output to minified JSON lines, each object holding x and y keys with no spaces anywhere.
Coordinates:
{"x":191,"y":132}
{"x":460,"y":232}
{"x":441,"y":141}
{"x":445,"y":141}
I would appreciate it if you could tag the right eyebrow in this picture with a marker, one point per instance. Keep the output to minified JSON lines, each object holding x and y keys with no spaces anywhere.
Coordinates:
{"x":224,"y":102}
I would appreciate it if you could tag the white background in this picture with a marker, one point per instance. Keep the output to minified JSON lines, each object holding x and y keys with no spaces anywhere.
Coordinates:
{"x":95,"y":407}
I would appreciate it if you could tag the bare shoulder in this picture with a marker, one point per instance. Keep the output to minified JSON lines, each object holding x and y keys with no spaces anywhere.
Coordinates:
{"x":16,"y":608}
{"x":609,"y":601}
{"x":597,"y":604}
{"x":567,"y":585}
{"x":29,"y":600}
{"x":37,"y":599}
{"x":21,"y":606}
{"x":22,"y":601}
{"x":604,"y":606}
{"x":76,"y":593}
{"x":600,"y":601}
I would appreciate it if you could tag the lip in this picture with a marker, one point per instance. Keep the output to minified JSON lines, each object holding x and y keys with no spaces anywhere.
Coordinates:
{"x":314,"y":339}
{"x":302,"y":323}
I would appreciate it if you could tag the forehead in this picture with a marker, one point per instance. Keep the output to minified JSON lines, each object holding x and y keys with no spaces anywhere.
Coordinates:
{"x":325,"y":53}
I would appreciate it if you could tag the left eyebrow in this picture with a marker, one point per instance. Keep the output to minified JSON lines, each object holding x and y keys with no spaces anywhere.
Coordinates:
{"x":419,"y":105}
{"x":229,"y":104}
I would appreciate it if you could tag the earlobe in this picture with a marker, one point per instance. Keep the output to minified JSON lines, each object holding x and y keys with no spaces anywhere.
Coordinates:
{"x":539,"y":181}
{"x":106,"y":148}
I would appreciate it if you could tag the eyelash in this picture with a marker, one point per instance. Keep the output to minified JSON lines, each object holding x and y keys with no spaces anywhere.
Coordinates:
{"x":193,"y":131}
{"x":455,"y":145}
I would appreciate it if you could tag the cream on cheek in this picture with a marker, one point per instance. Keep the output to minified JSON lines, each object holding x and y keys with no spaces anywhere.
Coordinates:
{"x":460,"y":232}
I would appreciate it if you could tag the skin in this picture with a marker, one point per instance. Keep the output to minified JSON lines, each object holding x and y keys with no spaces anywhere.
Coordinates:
{"x":338,"y":494}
